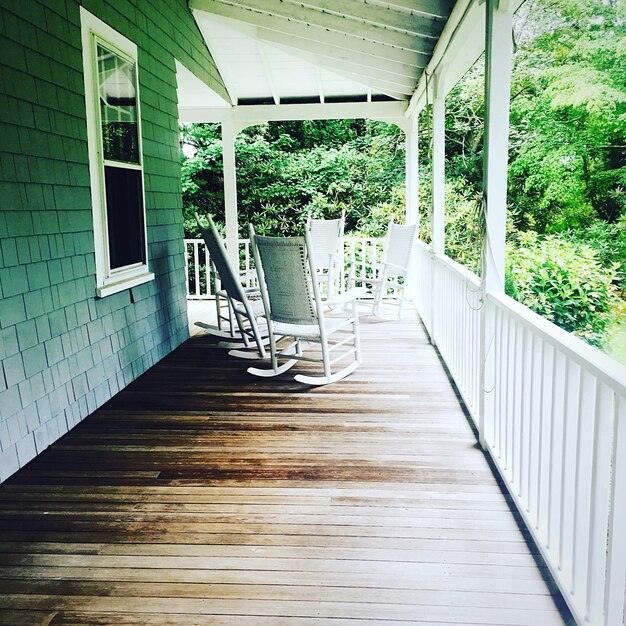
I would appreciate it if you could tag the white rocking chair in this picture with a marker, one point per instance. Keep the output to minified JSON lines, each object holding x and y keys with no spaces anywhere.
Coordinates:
{"x":242,"y":308}
{"x":327,"y":252}
{"x":395,"y":265}
{"x":293,"y":308}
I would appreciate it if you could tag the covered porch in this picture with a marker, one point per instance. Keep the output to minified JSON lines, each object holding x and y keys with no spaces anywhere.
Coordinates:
{"x":199,"y":495}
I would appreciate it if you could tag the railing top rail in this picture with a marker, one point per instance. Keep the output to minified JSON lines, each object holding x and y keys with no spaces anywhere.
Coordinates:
{"x":451,"y":264}
{"x":602,"y":366}
{"x":459,"y":269}
{"x":347,"y":238}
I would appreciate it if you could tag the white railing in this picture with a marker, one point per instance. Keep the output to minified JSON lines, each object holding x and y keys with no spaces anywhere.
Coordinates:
{"x":200,"y":279}
{"x":449,"y":302}
{"x":554,"y":425}
{"x":557,"y":433}
{"x":361,"y":259}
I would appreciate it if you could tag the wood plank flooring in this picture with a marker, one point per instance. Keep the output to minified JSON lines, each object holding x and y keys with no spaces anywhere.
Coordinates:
{"x":201,"y":495}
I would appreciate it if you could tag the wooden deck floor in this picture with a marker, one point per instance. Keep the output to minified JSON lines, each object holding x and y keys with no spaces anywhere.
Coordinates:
{"x":200,"y":495}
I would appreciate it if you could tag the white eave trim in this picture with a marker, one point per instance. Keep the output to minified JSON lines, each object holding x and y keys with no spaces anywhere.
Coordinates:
{"x":258,"y":114}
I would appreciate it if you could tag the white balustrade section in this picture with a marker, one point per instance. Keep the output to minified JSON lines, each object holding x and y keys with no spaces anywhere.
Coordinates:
{"x":361,"y":259}
{"x":558,"y":438}
{"x":448,"y":298}
{"x":556,"y":430}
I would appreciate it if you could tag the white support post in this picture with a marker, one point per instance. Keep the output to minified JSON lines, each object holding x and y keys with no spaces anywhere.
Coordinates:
{"x":438,"y":217}
{"x":438,"y":166}
{"x":411,"y":178}
{"x":498,"y":64}
{"x":411,"y":173}
{"x":229,"y":132}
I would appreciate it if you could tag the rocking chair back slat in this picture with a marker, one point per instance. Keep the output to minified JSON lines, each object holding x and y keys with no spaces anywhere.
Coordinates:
{"x":217,"y":251}
{"x":325,"y":237}
{"x":400,"y":244}
{"x":284,"y":263}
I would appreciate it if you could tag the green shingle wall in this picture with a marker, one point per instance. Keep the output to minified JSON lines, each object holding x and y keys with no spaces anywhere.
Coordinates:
{"x":63,"y":352}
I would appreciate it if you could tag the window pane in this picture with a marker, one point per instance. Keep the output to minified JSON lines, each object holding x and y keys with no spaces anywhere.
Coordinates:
{"x":117,"y":89}
{"x":124,"y":216}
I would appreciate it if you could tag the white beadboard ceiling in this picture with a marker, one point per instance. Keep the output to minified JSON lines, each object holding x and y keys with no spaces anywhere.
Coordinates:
{"x":290,"y":51}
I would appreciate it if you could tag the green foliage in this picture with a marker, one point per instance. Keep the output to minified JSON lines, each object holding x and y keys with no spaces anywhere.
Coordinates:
{"x":568,"y":112}
{"x":284,"y":173}
{"x":464,"y":225}
{"x":563,"y":281}
{"x":609,"y":243}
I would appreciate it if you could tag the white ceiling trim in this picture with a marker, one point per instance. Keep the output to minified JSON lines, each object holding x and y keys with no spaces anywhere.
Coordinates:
{"x":430,"y":8}
{"x":320,"y":86}
{"x":408,"y":23}
{"x":250,"y":115}
{"x":460,"y":45}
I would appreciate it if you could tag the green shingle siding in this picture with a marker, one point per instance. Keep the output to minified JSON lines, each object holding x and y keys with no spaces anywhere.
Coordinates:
{"x":62,"y":351}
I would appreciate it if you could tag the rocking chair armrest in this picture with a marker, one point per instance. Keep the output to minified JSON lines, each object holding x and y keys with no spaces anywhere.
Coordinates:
{"x":393,"y":266}
{"x":347,"y":296}
{"x":366,"y":281}
{"x":246,"y":275}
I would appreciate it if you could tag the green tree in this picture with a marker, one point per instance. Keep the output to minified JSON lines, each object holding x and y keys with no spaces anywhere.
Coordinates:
{"x":287,"y":170}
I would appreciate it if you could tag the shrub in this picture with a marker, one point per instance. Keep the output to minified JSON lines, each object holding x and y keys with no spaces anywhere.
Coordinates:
{"x":564,"y":281}
{"x":609,"y":243}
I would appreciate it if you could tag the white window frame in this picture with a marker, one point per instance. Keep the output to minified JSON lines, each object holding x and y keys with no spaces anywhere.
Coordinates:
{"x":108,"y":281}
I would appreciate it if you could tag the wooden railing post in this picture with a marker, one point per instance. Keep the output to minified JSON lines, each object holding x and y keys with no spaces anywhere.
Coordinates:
{"x":498,"y":63}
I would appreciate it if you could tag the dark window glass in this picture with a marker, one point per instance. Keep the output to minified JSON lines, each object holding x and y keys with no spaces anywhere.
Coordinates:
{"x":124,"y":216}
{"x":117,"y":92}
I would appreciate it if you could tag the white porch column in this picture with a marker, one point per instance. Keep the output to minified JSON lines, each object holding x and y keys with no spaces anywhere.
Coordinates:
{"x":411,"y":182}
{"x":438,"y":217}
{"x":498,"y":64}
{"x":229,"y":132}
{"x":438,"y":166}
{"x":411,"y":173}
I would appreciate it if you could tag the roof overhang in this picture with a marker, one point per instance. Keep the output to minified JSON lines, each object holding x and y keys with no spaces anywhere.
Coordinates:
{"x":335,"y":59}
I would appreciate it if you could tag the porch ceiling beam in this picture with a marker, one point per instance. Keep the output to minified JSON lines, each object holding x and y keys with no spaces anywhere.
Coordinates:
{"x":378,"y":16}
{"x":322,"y":27}
{"x":268,"y":71}
{"x":320,"y":86}
{"x":366,"y":78}
{"x":431,"y":8}
{"x":335,"y":53}
{"x":258,"y":114}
